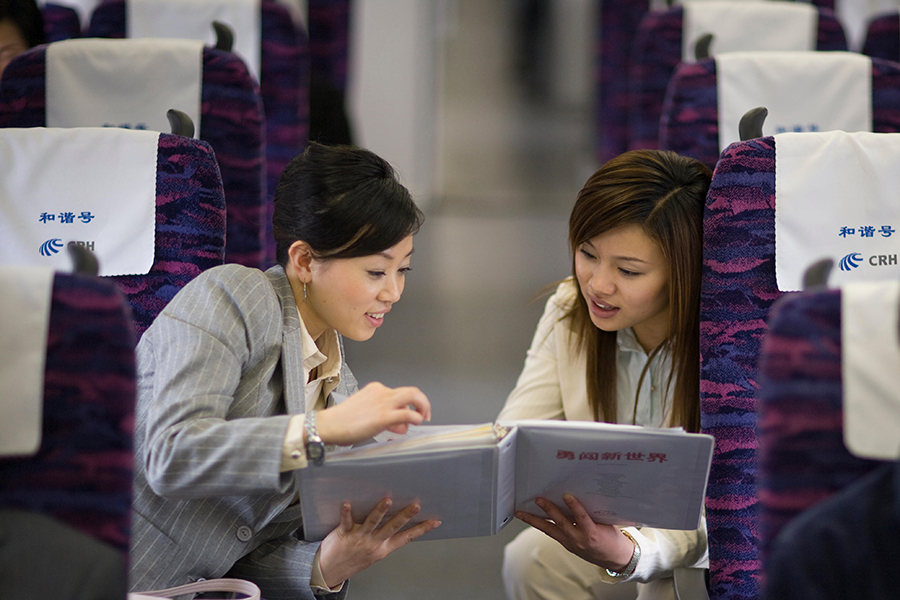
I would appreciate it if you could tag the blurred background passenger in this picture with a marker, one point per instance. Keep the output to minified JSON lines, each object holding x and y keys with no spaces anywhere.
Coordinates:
{"x":21,"y":28}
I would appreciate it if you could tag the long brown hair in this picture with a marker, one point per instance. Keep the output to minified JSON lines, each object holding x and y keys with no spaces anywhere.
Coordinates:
{"x":664,"y":194}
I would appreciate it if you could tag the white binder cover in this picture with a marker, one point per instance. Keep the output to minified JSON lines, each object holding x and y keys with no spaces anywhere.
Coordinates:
{"x":472,"y":478}
{"x":623,"y":474}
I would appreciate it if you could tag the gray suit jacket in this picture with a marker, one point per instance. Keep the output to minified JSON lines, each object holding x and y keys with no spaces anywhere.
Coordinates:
{"x":220,"y":373}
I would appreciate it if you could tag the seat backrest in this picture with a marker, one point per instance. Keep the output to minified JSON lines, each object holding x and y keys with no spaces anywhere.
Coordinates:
{"x":737,"y":290}
{"x":882,"y":38}
{"x":60,"y":22}
{"x":690,"y":122}
{"x":189,"y":210}
{"x":740,"y":283}
{"x":81,"y":473}
{"x":230,"y":120}
{"x":802,"y":453}
{"x":658,"y":50}
{"x":284,"y":71}
{"x":329,"y":38}
{"x":616,"y":30}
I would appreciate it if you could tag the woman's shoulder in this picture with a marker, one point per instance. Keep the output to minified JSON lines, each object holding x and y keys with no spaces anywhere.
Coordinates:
{"x":226,"y":288}
{"x":558,"y":308}
{"x":564,"y":297}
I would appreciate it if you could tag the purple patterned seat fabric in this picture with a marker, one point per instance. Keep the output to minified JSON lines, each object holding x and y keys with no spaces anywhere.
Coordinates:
{"x":803,"y":459}
{"x":656,"y":55}
{"x":284,"y":86}
{"x":737,"y":290}
{"x":329,"y":33}
{"x":60,"y":22}
{"x":190,"y":226}
{"x":883,"y":37}
{"x":690,"y":120}
{"x":231,"y":121}
{"x":81,"y":474}
{"x":617,"y":28}
{"x":284,"y":93}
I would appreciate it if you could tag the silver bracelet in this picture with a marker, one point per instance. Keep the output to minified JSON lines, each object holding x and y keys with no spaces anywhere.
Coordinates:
{"x":632,"y":565}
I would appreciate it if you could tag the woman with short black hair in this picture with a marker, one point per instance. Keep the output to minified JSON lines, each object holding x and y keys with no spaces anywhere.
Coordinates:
{"x":242,"y":382}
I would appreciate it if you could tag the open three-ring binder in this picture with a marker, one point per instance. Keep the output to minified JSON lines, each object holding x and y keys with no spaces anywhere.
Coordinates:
{"x":473,"y":478}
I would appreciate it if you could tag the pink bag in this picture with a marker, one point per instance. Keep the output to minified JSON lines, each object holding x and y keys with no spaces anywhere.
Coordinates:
{"x":223,"y":586}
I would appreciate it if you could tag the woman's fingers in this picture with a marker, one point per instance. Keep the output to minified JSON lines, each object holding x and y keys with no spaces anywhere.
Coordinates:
{"x":370,"y":411}
{"x":414,"y":399}
{"x":397,"y":522}
{"x":346,"y":524}
{"x":398,"y":540}
{"x":373,"y":519}
{"x":548,"y":527}
{"x":582,"y":518}
{"x":555,"y":514}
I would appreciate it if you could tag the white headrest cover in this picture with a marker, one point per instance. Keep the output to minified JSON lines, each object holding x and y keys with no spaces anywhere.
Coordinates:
{"x":123,"y":83}
{"x":749,"y":25}
{"x":836,"y":197}
{"x":871,"y":368}
{"x":91,"y":186}
{"x":24,"y":320}
{"x":192,"y":19}
{"x":803,"y":91}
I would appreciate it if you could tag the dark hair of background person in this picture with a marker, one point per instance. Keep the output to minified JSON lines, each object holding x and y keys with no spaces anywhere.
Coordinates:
{"x":664,"y":194}
{"x":344,"y":202}
{"x":26,"y":15}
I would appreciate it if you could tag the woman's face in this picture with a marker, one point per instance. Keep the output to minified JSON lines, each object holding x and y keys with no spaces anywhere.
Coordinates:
{"x":12,"y":42}
{"x":353,"y":295}
{"x":624,"y":279}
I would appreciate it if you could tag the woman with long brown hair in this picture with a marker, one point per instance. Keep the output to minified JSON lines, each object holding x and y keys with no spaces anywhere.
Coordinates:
{"x":618,"y":342}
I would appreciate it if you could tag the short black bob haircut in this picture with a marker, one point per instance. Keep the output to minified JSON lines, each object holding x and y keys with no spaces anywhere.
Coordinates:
{"x":344,"y":201}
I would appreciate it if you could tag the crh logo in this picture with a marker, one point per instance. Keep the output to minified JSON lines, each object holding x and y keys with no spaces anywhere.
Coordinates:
{"x":51,"y":247}
{"x":88,"y":245}
{"x":851,"y":261}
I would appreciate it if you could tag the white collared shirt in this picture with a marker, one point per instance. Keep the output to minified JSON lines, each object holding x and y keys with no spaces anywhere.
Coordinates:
{"x":553,"y":383}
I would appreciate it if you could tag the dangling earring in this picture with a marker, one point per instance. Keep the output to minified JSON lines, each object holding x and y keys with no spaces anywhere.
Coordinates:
{"x":304,"y":291}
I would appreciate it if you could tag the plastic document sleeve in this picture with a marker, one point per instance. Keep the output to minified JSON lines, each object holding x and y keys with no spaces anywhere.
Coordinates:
{"x":473,"y":478}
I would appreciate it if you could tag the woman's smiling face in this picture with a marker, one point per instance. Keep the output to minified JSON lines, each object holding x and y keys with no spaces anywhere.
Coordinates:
{"x":624,"y":279}
{"x":353,"y":295}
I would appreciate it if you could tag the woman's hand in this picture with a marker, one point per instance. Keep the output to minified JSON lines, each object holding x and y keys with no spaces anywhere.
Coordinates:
{"x":602,"y":545}
{"x":352,"y":547}
{"x":370,"y":411}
